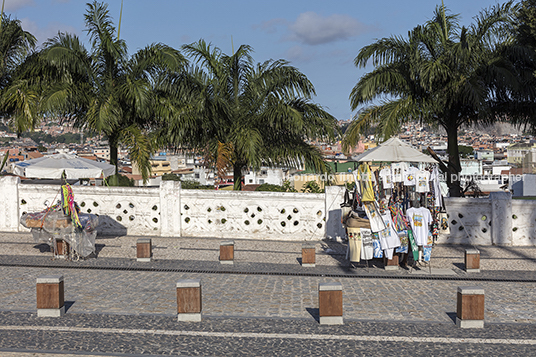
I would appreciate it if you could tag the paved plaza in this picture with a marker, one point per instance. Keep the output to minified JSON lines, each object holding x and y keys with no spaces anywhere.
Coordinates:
{"x":264,"y":304}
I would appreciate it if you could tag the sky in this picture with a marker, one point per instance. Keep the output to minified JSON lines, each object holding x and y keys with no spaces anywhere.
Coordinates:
{"x":319,"y":37}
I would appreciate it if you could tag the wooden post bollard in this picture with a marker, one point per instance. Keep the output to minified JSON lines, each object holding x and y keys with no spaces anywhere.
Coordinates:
{"x":50,"y":296}
{"x":61,"y":249}
{"x":472,"y":261}
{"x":227,"y":252}
{"x":308,"y":255}
{"x":144,"y":250}
{"x":189,"y":300}
{"x":330,"y":303}
{"x":470,"y":309}
{"x":391,"y":264}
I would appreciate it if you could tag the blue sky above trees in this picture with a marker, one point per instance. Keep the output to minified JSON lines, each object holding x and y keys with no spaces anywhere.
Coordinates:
{"x":319,"y":37}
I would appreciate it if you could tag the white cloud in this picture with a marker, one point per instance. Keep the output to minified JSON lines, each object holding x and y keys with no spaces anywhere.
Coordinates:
{"x":51,"y":30}
{"x":313,"y":29}
{"x":12,"y":5}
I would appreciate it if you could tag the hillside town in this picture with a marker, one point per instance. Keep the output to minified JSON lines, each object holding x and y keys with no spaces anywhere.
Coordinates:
{"x":500,"y":158}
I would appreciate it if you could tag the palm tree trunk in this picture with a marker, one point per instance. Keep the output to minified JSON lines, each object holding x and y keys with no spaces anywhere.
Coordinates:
{"x":112,"y":143}
{"x":237,"y":176}
{"x":454,"y":167}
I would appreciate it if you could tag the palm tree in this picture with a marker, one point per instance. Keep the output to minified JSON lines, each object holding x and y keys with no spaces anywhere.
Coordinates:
{"x":441,"y":74}
{"x":245,"y":115}
{"x":18,"y":100}
{"x":104,"y":89}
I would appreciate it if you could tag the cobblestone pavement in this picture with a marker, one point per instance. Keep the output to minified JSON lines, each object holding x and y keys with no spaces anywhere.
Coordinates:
{"x":264,"y":304}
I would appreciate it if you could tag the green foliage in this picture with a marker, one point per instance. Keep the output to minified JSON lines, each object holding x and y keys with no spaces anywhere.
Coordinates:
{"x":106,"y":90}
{"x":38,"y":137}
{"x":170,"y":177}
{"x":262,"y":113}
{"x":312,"y":187}
{"x":441,"y":74}
{"x":465,"y":151}
{"x":194,"y":185}
{"x":18,"y":97}
{"x":119,"y":180}
{"x":268,"y":187}
{"x":526,"y":18}
{"x":349,"y":186}
{"x":288,"y":186}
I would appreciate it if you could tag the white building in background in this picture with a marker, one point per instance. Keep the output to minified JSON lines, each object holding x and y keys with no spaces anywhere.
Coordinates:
{"x":471,"y":167}
{"x":265,"y":175}
{"x":485,"y":155}
{"x":103,"y":152}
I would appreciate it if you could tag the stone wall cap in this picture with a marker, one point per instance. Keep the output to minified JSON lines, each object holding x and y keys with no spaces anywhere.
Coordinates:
{"x":309,"y":245}
{"x":329,"y":286}
{"x":227,"y":242}
{"x":49,"y":279}
{"x":144,"y":240}
{"x":470,"y":290}
{"x":189,"y":283}
{"x":472,"y":251}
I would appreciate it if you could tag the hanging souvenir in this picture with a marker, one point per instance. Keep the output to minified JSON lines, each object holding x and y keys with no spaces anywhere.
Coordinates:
{"x":354,"y":244}
{"x":403,"y":235}
{"x":365,"y":181}
{"x":367,"y":251}
{"x":444,"y":223}
{"x":378,"y":252}
{"x":373,"y":213}
{"x":427,"y":253}
{"x":413,"y":245}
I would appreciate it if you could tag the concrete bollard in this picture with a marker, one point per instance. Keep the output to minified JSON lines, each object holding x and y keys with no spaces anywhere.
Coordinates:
{"x":227,"y":252}
{"x":308,"y":255}
{"x":391,"y":264}
{"x":470,"y":307}
{"x":50,"y":296}
{"x":144,"y":250}
{"x":472,"y":261}
{"x":330,"y":303}
{"x":189,"y":300}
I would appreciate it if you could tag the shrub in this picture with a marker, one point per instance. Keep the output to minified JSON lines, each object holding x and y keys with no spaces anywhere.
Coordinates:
{"x":119,"y":180}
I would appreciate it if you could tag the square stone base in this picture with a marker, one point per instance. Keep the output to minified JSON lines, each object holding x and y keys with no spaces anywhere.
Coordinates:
{"x":231,"y":262}
{"x":331,"y":320}
{"x":469,"y":323}
{"x":189,"y":317}
{"x":51,"y":312}
{"x":308,"y":265}
{"x":391,"y":267}
{"x":472,"y":270}
{"x":144,"y":259}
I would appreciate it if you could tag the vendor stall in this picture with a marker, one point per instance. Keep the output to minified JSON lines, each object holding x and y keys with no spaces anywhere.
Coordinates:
{"x":70,"y":233}
{"x":399,"y":197}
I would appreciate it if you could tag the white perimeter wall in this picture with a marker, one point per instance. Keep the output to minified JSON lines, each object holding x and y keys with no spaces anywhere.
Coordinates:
{"x":171,"y":211}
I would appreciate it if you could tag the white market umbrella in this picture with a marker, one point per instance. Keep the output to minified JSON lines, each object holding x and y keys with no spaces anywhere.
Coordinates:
{"x":52,"y":167}
{"x":394,"y":150}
